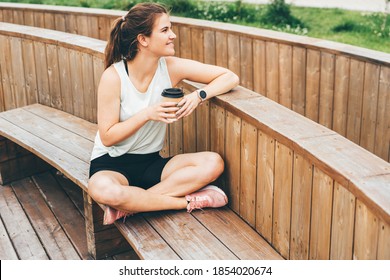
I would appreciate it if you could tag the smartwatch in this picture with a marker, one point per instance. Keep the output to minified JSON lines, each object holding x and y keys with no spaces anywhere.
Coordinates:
{"x":202,"y":95}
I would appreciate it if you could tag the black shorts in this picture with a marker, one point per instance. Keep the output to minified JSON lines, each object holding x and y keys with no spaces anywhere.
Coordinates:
{"x":140,"y":170}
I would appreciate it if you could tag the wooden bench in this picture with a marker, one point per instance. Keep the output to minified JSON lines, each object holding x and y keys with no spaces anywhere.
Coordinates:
{"x":65,"y":142}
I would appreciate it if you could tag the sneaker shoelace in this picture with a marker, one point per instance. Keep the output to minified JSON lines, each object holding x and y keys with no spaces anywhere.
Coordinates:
{"x":197,"y":202}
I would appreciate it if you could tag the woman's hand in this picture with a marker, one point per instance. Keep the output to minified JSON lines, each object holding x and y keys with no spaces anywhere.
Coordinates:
{"x":163,"y":112}
{"x":187,"y":105}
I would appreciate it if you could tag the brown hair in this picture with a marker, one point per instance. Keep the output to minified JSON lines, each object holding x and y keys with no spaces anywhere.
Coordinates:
{"x":122,"y":42}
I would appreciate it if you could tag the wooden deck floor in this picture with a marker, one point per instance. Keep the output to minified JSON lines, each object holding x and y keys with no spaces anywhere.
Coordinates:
{"x":41,"y":217}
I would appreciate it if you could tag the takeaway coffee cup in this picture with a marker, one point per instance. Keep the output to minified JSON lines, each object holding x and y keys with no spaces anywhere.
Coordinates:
{"x":172,"y":95}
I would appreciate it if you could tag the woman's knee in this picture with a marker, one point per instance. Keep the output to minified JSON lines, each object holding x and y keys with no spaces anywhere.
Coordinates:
{"x":104,"y":190}
{"x":213,"y":165}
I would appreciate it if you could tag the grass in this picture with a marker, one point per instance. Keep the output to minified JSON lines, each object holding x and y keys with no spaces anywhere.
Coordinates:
{"x":350,"y":27}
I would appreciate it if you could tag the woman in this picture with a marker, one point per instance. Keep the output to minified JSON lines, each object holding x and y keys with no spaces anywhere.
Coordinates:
{"x":127,"y":172}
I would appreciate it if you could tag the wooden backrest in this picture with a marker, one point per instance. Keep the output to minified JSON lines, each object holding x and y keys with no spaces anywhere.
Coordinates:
{"x":309,"y":191}
{"x":342,"y":87}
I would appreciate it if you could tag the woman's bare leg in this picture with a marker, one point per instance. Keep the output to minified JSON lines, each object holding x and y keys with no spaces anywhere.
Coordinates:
{"x":182,"y":175}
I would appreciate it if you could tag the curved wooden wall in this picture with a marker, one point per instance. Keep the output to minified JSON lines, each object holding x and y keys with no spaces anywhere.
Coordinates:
{"x":342,"y":87}
{"x":309,"y":191}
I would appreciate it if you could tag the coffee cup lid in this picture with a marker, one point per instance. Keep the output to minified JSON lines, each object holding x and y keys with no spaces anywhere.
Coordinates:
{"x":172,"y":93}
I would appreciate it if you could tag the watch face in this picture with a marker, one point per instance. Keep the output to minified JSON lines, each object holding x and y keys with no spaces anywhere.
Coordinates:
{"x":203,"y":94}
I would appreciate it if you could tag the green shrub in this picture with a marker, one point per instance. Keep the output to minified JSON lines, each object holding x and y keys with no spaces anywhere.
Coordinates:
{"x":278,"y":14}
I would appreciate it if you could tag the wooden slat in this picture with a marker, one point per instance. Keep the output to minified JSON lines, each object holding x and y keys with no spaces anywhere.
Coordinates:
{"x":259,"y":76}
{"x":265,"y":184}
{"x":355,"y":100}
{"x":2,"y":103}
{"x":185,"y":42}
{"x":29,"y":18}
{"x":17,"y":67}
{"x":237,"y":235}
{"x":203,"y":127}
{"x":23,"y":237}
{"x":9,"y":101}
{"x":248,"y":173}
{"x":197,"y":43}
{"x":53,"y":69}
{"x":384,"y":241}
{"x":272,"y":70}
{"x":301,"y":205}
{"x":321,"y":216}
{"x":189,"y":133}
{"x":93,"y":22}
{"x":176,"y":138}
{"x":285,"y":75}
{"x":209,"y":45}
{"x":382,"y":139}
{"x":186,"y":236}
{"x":233,"y":48}
{"x":366,"y":233}
{"x":29,"y":72}
{"x":49,"y":20}
{"x":98,"y":68}
{"x":88,"y":90}
{"x":344,"y":204}
{"x":82,"y":25}
{"x":221,"y":56}
{"x":146,"y":242}
{"x":39,"y":19}
{"x":56,"y":243}
{"x":217,"y":135}
{"x":282,"y":199}
{"x":176,"y":30}
{"x":370,"y":103}
{"x":59,"y":22}
{"x":18,"y":16}
{"x":313,"y":61}
{"x":65,"y":86}
{"x":246,"y":62}
{"x":325,"y":110}
{"x":76,"y":77}
{"x":7,"y":251}
{"x":42,"y":73}
{"x":64,"y":210}
{"x":341,"y":86}
{"x":298,"y":80}
{"x":232,"y":164}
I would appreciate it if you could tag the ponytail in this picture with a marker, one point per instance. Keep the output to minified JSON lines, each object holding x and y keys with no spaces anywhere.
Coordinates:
{"x":112,"y":51}
{"x":123,"y":43}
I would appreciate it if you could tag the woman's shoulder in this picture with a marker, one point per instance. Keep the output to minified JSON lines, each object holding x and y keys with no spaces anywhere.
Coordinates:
{"x":110,"y":75}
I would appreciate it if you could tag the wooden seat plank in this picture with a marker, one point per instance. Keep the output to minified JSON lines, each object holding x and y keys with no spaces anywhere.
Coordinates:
{"x":55,"y":241}
{"x":67,"y":121}
{"x":20,"y":231}
{"x":146,"y":242}
{"x":74,"y":168}
{"x":237,"y":235}
{"x":189,"y":238}
{"x":52,"y":133}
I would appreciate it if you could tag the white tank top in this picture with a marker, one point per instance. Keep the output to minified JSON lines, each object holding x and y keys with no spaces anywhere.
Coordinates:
{"x":150,"y":137}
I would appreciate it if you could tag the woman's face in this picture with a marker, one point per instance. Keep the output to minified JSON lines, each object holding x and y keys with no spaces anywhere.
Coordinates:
{"x":161,"y":40}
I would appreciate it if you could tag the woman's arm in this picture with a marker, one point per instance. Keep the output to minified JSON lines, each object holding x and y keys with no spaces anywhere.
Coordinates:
{"x":218,"y":80}
{"x":111,"y":130}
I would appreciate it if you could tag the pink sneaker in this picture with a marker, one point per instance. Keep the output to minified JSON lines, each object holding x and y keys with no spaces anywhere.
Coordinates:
{"x":111,"y":215}
{"x":210,"y":196}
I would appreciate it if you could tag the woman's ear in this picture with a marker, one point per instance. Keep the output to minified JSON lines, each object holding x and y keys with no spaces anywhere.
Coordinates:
{"x":142,"y":39}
